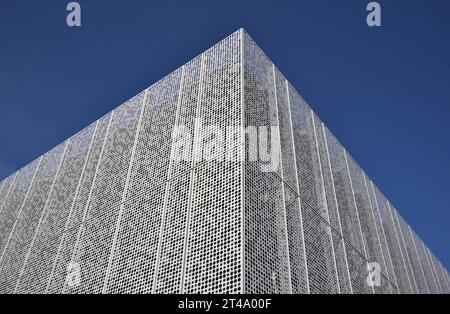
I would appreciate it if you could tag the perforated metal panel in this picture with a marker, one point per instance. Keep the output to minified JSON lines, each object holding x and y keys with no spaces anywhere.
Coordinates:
{"x":173,"y":235}
{"x":134,"y":258}
{"x":382,"y":238}
{"x":405,"y":255}
{"x":424,"y":259}
{"x":294,"y":216}
{"x":128,"y":209}
{"x":434,"y":271}
{"x":67,"y":246}
{"x":6,"y":188}
{"x":344,"y":195}
{"x":351,"y":229}
{"x":213,"y":253}
{"x":16,"y":252}
{"x":3,"y":190}
{"x":38,"y":266}
{"x":366,"y":217}
{"x":96,"y":243}
{"x":446,"y":274}
{"x":393,"y":243}
{"x":416,"y":268}
{"x":13,"y":203}
{"x":322,"y":270}
{"x":266,"y":254}
{"x":335,"y":223}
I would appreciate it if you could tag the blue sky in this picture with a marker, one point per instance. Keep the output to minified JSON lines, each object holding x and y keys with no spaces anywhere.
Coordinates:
{"x":384,"y":92}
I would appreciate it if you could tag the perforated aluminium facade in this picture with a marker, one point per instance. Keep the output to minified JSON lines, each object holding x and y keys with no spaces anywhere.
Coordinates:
{"x":111,"y":210}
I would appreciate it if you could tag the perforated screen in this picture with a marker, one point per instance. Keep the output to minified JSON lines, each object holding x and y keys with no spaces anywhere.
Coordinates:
{"x":219,"y":178}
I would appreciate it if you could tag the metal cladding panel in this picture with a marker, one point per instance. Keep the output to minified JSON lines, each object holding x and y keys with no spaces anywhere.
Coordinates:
{"x":297,"y":254}
{"x":98,"y":231}
{"x":2,"y":185}
{"x":68,"y":242}
{"x":122,"y":207}
{"x":342,"y":267}
{"x":411,"y":251}
{"x":405,"y":255}
{"x":346,"y":204}
{"x":7,"y":183}
{"x":441,"y":275}
{"x":425,"y":266}
{"x":109,"y":183}
{"x":448,"y":278}
{"x":434,"y":271}
{"x":418,"y":265}
{"x":265,"y":259}
{"x":393,"y":243}
{"x":338,"y":240}
{"x":15,"y":254}
{"x":153,"y":145}
{"x":135,"y":252}
{"x":213,"y":253}
{"x":6,"y":188}
{"x":306,"y":152}
{"x":220,"y":103}
{"x":84,"y":195}
{"x":39,"y":264}
{"x":382,"y":238}
{"x":445,"y":278}
{"x":91,"y":254}
{"x":266,"y":255}
{"x":173,"y":234}
{"x":67,"y":256}
{"x":344,"y":195}
{"x":357,"y":264}
{"x":322,"y":274}
{"x":322,"y":270}
{"x":13,"y":202}
{"x":188,"y":110}
{"x":297,"y":251}
{"x":366,"y":217}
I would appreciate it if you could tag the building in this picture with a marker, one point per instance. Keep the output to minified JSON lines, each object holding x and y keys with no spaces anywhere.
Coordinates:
{"x":164,"y":195}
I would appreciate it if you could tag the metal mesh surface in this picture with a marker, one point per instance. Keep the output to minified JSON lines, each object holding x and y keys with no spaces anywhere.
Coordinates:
{"x":114,"y":209}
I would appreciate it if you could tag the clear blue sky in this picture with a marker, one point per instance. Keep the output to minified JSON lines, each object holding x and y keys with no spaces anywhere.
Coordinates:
{"x":385,"y":92}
